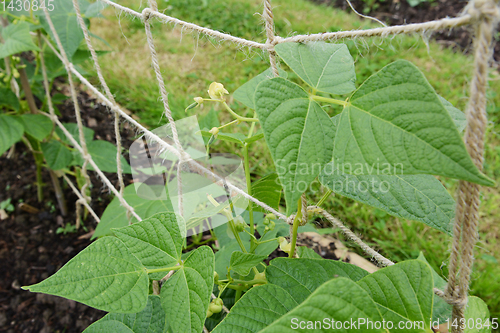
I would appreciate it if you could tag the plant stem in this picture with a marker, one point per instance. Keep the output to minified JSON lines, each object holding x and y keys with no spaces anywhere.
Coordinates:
{"x":164,"y":269}
{"x":61,"y":200}
{"x":328,"y":100}
{"x":295,"y":228}
{"x":323,"y":199}
{"x":237,"y":236}
{"x":28,"y":94}
{"x":249,"y":191}
{"x":238,"y":117}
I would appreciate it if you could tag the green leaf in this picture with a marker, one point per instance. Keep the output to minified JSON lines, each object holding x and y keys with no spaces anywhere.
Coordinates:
{"x":186,"y":294}
{"x":294,"y":275}
{"x":257,"y":309}
{"x":306,"y":253}
{"x":396,"y":124}
{"x":254,"y":138}
{"x":66,"y":25}
{"x":415,"y":197}
{"x":105,"y":326}
{"x":478,"y":312}
{"x":456,"y":115}
{"x":149,"y":320}
{"x":9,"y":99}
{"x":298,"y":132}
{"x":268,"y":190}
{"x":11,"y":131}
{"x":229,"y":137}
{"x":17,"y":39}
{"x":242,"y":263}
{"x":155,"y":241}
{"x":441,"y":311}
{"x":115,"y":215}
{"x":36,"y":125}
{"x":105,"y":276}
{"x":104,"y":155}
{"x":56,"y":154}
{"x":325,"y":67}
{"x":403,"y":292}
{"x":245,"y":93}
{"x":72,"y":128}
{"x":338,"y":300}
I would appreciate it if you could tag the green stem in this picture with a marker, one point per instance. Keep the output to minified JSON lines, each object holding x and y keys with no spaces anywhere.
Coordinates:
{"x":267,"y":241}
{"x":238,"y":117}
{"x":228,"y":124}
{"x":250,"y":282}
{"x":323,"y":199}
{"x":295,"y":228}
{"x":237,"y":295}
{"x":249,"y":190}
{"x":237,"y":236}
{"x":164,"y":269}
{"x":328,"y":100}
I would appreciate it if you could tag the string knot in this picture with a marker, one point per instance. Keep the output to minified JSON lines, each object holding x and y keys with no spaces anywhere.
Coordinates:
{"x":146,"y":14}
{"x":483,"y":9}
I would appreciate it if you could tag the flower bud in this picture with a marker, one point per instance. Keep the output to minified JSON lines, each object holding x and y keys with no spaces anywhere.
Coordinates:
{"x":209,"y":313}
{"x":216,"y":91}
{"x":215,"y":308}
{"x":15,"y":73}
{"x":198,"y":100}
{"x":214,"y":131}
{"x":271,"y":216}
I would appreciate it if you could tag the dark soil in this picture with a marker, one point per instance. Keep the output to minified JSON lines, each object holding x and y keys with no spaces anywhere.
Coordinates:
{"x":396,"y":12}
{"x":30,"y":248}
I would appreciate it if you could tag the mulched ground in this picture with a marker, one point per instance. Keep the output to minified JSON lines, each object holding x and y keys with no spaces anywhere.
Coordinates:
{"x":395,"y":12}
{"x":30,"y":249}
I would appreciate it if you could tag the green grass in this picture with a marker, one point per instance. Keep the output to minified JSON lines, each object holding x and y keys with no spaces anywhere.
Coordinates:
{"x":190,"y":62}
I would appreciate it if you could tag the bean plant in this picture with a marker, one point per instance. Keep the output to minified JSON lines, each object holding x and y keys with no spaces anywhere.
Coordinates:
{"x":381,"y":144}
{"x":22,"y":94}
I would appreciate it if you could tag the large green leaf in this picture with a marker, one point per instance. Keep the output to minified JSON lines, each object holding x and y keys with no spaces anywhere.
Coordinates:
{"x":338,"y":300}
{"x":17,"y":39}
{"x":245,"y":93}
{"x":11,"y":131}
{"x":106,"y":326}
{"x":268,"y":190}
{"x":403,"y":293}
{"x":415,"y":197}
{"x":477,"y":317}
{"x":456,"y":115}
{"x":66,"y":25}
{"x":115,"y":215}
{"x":441,"y":311}
{"x":186,"y":294}
{"x":149,"y":320}
{"x":325,"y":67}
{"x":105,"y":275}
{"x":104,"y":155}
{"x":72,"y":128}
{"x":294,"y":275}
{"x":36,"y":125}
{"x":395,"y":123}
{"x":257,"y":309}
{"x":298,"y":132}
{"x":56,"y":154}
{"x":9,"y":99}
{"x":155,"y":241}
{"x":242,"y":263}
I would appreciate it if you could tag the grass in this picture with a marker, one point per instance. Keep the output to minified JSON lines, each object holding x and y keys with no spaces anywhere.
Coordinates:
{"x":190,"y":62}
